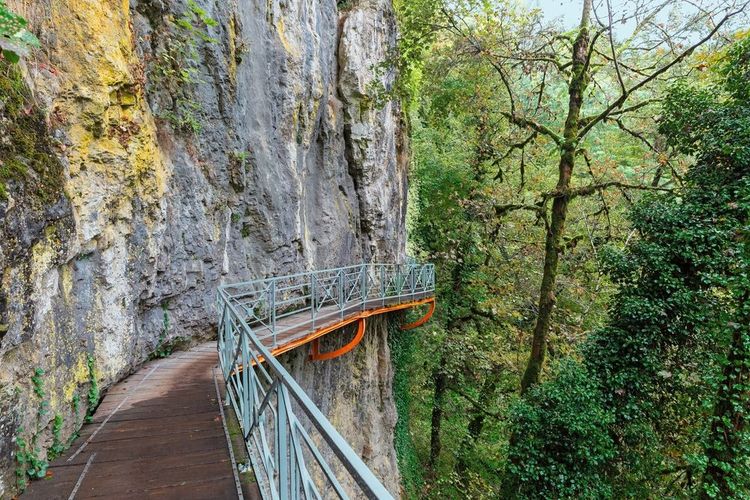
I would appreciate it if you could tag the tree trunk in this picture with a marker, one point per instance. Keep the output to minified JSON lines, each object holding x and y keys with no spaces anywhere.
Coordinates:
{"x":476,"y":419}
{"x":724,"y":451}
{"x":556,"y":230}
{"x":440,"y":381}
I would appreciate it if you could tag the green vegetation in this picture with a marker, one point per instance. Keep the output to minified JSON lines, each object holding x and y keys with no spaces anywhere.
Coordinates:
{"x":591,"y":338}
{"x":402,"y":346}
{"x":176,"y":67}
{"x":29,"y":459}
{"x":15,"y":39}
{"x":164,"y":347}
{"x":25,"y":153}
{"x":57,"y":446}
{"x":30,"y":465}
{"x":93,"y":394}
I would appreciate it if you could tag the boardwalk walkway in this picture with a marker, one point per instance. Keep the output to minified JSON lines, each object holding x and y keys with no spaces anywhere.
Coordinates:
{"x":160,"y":433}
{"x":157,"y":434}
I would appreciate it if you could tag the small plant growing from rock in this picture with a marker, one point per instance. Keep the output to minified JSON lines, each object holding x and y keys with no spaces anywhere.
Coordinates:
{"x":15,"y":39}
{"x":57,"y":444}
{"x":30,"y":466}
{"x":176,"y":66}
{"x":93,"y":395}
{"x":164,"y":348}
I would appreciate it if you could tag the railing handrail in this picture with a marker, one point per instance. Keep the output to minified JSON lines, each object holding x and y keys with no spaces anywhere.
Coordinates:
{"x":254,"y":376}
{"x":353,"y":463}
{"x":316,"y":271}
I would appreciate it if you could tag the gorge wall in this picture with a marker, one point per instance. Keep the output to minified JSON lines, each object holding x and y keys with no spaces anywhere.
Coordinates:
{"x":154,"y":149}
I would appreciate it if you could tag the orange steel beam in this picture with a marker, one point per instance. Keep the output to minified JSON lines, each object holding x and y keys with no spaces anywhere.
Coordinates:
{"x":421,"y":321}
{"x":316,"y":355}
{"x":346,"y":321}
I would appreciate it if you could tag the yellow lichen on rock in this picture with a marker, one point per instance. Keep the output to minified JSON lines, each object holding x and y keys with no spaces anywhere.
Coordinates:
{"x":114,"y":155}
{"x":77,"y":376}
{"x":291,"y":48}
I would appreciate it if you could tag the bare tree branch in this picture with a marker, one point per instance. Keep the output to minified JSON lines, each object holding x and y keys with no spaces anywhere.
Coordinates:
{"x":518,"y":145}
{"x":626,"y":94}
{"x":593,"y":188}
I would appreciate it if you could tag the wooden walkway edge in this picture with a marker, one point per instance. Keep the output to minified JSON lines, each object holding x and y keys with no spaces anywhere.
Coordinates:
{"x":157,"y":434}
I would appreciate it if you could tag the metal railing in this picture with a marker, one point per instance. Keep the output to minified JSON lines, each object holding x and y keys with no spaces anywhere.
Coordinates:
{"x":323,"y":295}
{"x":289,"y":459}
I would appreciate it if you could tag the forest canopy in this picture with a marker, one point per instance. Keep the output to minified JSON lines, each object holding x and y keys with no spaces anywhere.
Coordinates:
{"x":584,"y":193}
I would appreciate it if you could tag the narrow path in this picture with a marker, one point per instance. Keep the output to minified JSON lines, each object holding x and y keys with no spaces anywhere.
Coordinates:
{"x":157,"y":434}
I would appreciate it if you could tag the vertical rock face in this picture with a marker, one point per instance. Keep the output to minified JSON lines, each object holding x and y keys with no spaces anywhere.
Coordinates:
{"x":190,"y":144}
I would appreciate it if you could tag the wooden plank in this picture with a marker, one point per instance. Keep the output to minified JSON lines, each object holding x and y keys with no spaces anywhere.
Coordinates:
{"x":157,"y":434}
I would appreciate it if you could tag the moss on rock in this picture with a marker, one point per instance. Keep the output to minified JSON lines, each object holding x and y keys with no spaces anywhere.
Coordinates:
{"x":25,"y":152}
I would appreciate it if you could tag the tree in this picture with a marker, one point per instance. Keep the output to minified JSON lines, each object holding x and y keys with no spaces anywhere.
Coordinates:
{"x":712,"y":123}
{"x":585,"y":62}
{"x":678,"y":328}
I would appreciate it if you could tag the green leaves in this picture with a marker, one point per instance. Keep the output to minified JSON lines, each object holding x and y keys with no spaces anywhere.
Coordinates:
{"x":669,"y":374}
{"x":15,"y":39}
{"x":563,"y":442}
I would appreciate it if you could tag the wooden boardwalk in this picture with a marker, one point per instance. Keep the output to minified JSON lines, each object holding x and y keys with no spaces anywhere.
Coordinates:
{"x":298,"y":328}
{"x":160,"y":433}
{"x":157,"y":434}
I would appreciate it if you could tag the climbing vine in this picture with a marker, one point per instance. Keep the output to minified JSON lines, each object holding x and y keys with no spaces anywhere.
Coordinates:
{"x":402,"y":346}
{"x":163,"y":347}
{"x":31,"y":463}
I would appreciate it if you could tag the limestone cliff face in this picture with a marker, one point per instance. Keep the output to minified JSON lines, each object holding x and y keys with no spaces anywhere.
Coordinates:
{"x":191,"y":144}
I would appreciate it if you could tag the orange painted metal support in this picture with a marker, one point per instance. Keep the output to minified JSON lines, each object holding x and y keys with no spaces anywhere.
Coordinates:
{"x":313,"y":336}
{"x":423,"y":319}
{"x":316,"y":355}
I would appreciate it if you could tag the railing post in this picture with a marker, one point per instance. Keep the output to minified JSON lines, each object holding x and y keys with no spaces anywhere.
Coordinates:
{"x":312,"y":298}
{"x":382,"y":283}
{"x":399,"y":282}
{"x":411,"y":277}
{"x":272,"y":293}
{"x":247,"y":405}
{"x":341,"y":292}
{"x":282,"y":439}
{"x":363,"y":286}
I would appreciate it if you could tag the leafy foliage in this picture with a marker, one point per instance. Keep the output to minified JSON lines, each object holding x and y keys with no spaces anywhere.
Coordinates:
{"x":677,"y":333}
{"x":30,"y":465}
{"x":565,"y":440}
{"x":402,"y":345}
{"x":15,"y":39}
{"x":93,"y":394}
{"x":176,"y":68}
{"x":25,"y":151}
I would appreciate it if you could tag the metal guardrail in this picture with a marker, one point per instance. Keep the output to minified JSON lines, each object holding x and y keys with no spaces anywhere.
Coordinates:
{"x":324,"y":294}
{"x":287,"y":461}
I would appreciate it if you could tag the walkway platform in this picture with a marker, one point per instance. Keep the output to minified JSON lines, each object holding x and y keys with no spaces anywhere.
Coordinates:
{"x":298,"y":329}
{"x":156,"y":434}
{"x":294,"y":450}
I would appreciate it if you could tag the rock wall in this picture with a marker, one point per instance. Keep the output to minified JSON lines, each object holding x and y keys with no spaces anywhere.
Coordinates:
{"x":183,"y":145}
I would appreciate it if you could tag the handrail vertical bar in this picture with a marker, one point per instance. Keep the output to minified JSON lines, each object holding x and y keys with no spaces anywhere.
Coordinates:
{"x":341,"y":293}
{"x":363,"y":286}
{"x":312,"y":298}
{"x":411,"y":277}
{"x":399,"y":283}
{"x":382,"y":284}
{"x":273,"y":311}
{"x":282,"y":443}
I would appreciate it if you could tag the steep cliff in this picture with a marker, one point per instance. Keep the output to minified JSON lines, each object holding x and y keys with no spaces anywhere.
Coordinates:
{"x":155,"y":149}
